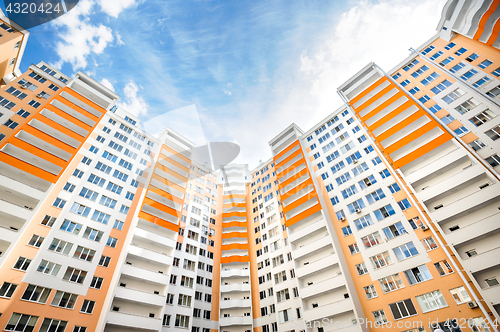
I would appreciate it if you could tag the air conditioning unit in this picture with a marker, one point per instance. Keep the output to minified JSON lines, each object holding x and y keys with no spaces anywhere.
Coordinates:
{"x":472,"y":304}
{"x":342,"y":219}
{"x":424,"y":227}
{"x":24,"y":86}
{"x":39,"y":95}
{"x":358,"y":210}
{"x":355,"y":161}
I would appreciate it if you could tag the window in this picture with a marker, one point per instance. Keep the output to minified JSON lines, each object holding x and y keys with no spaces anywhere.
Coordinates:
{"x":414,"y":90}
{"x":21,"y":322}
{"x":411,"y":64}
{"x":96,"y":180}
{"x":481,"y":82}
{"x":59,"y":203}
{"x":349,"y":191}
{"x":420,"y":71}
{"x":424,"y":99}
{"x":89,"y":194}
{"x":461,"y":51}
{"x":461,"y":131}
{"x":405,"y":82}
{"x":384,"y":212}
{"x":370,"y":292}
{"x":429,"y":243}
{"x":64,"y":300}
{"x":353,"y":248}
{"x":394,"y":230}
{"x":181,"y":321}
{"x":435,"y":108}
{"x":23,"y":113}
{"x":107,"y":201}
{"x":494,"y":160}
{"x":467,"y":106}
{"x":74,"y":275}
{"x":482,"y":117}
{"x":103,"y":167}
{"x":285,"y":315}
{"x":380,"y":318}
{"x":477,"y":144}
{"x":118,"y":225}
{"x":396,"y":76}
{"x":361,"y":268}
{"x":460,"y":295}
{"x":404,"y":204}
{"x":427,"y":50}
{"x":375,"y":196}
{"x":441,"y":87}
{"x":446,"y":61}
{"x":346,"y":230}
{"x":402,"y":309}
{"x":381,"y":260}
{"x":472,"y":57}
{"x":452,"y":96}
{"x":371,"y":240}
{"x":60,"y":246}
{"x":93,"y":234}
{"x":366,"y":182}
{"x":431,"y":301}
{"x":87,"y":306}
{"x":16,"y":93}
{"x":85,"y":254}
{"x":436,"y":55}
{"x":80,"y":209}
{"x":430,"y":78}
{"x":363,"y":222}
{"x":337,"y":167}
{"x":7,"y":289}
{"x":96,"y":282}
{"x":114,"y":188}
{"x":34,"y":103}
{"x":36,"y":241}
{"x":405,"y":251}
{"x":343,"y":178}
{"x":494,"y":92}
{"x":492,"y":282}
{"x":391,"y":283}
{"x":124,"y":209}
{"x":111,"y":242}
{"x":394,"y":188}
{"x":71,"y":227}
{"x":417,"y":275}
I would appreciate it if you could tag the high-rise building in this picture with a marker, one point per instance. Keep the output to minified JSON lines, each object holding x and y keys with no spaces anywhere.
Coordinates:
{"x":382,"y":216}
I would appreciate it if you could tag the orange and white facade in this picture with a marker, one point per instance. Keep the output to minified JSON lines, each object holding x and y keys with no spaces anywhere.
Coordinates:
{"x":382,"y":216}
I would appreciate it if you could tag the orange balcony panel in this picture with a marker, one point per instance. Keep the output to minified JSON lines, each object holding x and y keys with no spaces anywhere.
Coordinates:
{"x":411,"y":137}
{"x":85,"y":100}
{"x":288,"y":148}
{"x":78,"y":108}
{"x":172,"y":151}
{"x":445,"y":137}
{"x":293,"y":178}
{"x":162,"y":207}
{"x":28,"y":168}
{"x":397,"y":127}
{"x":232,"y":196}
{"x":68,"y":117}
{"x":234,"y":259}
{"x":234,"y":214}
{"x":231,"y":205}
{"x":292,"y":167}
{"x":59,"y":127}
{"x":298,"y":188}
{"x":171,"y":172}
{"x":303,"y":215}
{"x":158,"y":221}
{"x":166,"y":182}
{"x":287,"y":159}
{"x":375,"y":98}
{"x":484,"y":19}
{"x":166,"y":195}
{"x":234,"y":224}
{"x":367,"y":90}
{"x":234,"y":246}
{"x":300,"y":201}
{"x":37,"y":152}
{"x":391,"y":115}
{"x":49,"y":139}
{"x":173,"y":162}
{"x":234,"y":234}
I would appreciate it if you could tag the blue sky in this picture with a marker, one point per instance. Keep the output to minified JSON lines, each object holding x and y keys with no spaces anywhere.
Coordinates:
{"x":242,"y":64}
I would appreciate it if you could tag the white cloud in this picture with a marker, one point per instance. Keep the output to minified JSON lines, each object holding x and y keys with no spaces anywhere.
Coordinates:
{"x":132,"y":102}
{"x":381,"y":32}
{"x":80,"y":38}
{"x":119,"y":40}
{"x":115,"y":7}
{"x":107,"y":84}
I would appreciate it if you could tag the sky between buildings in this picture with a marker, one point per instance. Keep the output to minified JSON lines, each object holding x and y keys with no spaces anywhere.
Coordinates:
{"x":236,"y":71}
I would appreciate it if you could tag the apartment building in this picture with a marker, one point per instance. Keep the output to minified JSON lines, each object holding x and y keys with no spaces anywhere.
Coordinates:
{"x":13,"y":39}
{"x":381,"y":216}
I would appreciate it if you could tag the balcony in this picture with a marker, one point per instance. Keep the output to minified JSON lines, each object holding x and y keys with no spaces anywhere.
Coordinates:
{"x":143,"y":253}
{"x":474,"y":230}
{"x":314,"y":246}
{"x":322,"y":287}
{"x":228,"y":321}
{"x":300,"y":233}
{"x":328,"y":310}
{"x":482,"y":260}
{"x":144,"y":274}
{"x":137,"y":296}
{"x":234,"y":273}
{"x":133,"y":321}
{"x":240,"y":303}
{"x":237,"y":287}
{"x":317,"y":266}
{"x":157,"y":239}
